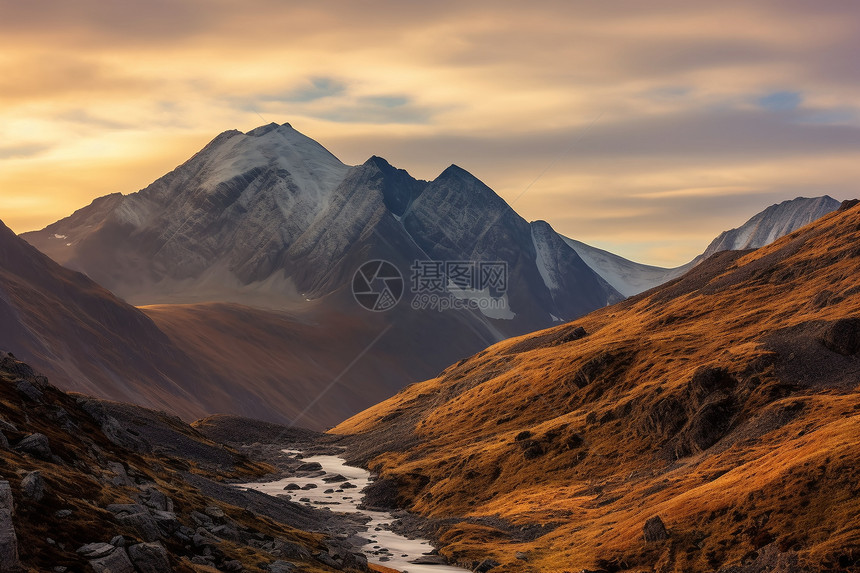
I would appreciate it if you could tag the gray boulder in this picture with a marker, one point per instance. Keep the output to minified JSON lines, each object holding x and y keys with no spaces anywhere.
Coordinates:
{"x":214,"y":512}
{"x":29,"y":390}
{"x":150,"y":558}
{"x":116,"y":561}
{"x":166,"y":520}
{"x":6,"y":500}
{"x":8,"y":542}
{"x":33,"y":486}
{"x":430,"y":560}
{"x":121,"y":478}
{"x":36,"y":445}
{"x":4,"y":441}
{"x":154,"y":498}
{"x":282,"y":567}
{"x":203,"y":538}
{"x":137,"y":517}
{"x":309,"y":467}
{"x":95,"y":550}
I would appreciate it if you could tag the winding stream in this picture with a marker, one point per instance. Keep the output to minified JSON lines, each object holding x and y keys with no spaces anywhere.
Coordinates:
{"x":385,"y":547}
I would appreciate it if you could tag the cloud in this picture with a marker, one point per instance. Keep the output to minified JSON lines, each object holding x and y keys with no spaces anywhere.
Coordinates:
{"x":704,"y":111}
{"x":781,"y":101}
{"x":313,"y":89}
{"x":23,"y":150}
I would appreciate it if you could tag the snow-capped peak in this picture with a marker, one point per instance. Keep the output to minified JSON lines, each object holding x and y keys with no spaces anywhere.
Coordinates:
{"x":312,"y":167}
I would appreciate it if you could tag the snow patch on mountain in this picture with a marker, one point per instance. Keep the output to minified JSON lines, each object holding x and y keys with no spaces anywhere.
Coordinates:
{"x":627,"y":277}
{"x":543,"y":260}
{"x":774,"y":222}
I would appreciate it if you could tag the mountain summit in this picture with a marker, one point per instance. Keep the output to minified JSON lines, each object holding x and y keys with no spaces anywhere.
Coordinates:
{"x":270,"y":218}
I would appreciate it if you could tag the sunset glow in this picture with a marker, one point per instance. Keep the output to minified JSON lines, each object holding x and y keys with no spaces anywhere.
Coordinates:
{"x":645,"y":128}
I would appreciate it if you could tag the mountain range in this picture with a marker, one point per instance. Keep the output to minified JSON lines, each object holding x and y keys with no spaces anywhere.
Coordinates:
{"x":240,"y":263}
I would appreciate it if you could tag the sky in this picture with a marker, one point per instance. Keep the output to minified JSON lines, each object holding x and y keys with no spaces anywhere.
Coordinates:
{"x":642,"y":127}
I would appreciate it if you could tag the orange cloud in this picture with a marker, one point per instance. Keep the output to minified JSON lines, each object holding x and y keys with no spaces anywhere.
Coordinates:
{"x":645,"y":119}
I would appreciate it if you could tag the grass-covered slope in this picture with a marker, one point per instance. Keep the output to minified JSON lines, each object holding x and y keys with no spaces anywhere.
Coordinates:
{"x":725,"y":403}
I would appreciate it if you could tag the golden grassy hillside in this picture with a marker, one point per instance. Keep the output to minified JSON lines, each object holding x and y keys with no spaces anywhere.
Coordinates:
{"x":725,"y":402}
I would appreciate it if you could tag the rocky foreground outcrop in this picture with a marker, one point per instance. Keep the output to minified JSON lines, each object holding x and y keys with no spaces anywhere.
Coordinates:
{"x":81,"y":490}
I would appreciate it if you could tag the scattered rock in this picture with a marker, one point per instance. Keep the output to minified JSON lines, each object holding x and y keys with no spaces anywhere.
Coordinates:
{"x":63,"y":513}
{"x":334,"y":479}
{"x":118,"y":541}
{"x":215,"y":512}
{"x":36,"y":445}
{"x":28,"y":390}
{"x":282,"y":567}
{"x":4,"y":441}
{"x":8,"y":542}
{"x":154,"y":498}
{"x":430,"y":560}
{"x":203,"y":538}
{"x":202,"y":519}
{"x":227,"y":532}
{"x":7,"y":502}
{"x":137,"y":517}
{"x":95,"y":550}
{"x":654,"y":530}
{"x":150,"y":558}
{"x":292,"y":486}
{"x":309,"y":467}
{"x":521,"y":556}
{"x":115,"y":562}
{"x":347,"y":485}
{"x":33,"y":486}
{"x":309,"y":486}
{"x":232,"y":566}
{"x":7,"y":426}
{"x":121,"y":478}
{"x":166,"y":521}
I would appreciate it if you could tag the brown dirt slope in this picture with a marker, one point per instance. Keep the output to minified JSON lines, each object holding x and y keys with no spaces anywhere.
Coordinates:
{"x":725,"y":402}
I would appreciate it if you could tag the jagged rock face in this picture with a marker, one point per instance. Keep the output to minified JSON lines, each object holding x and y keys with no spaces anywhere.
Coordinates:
{"x":270,"y":218}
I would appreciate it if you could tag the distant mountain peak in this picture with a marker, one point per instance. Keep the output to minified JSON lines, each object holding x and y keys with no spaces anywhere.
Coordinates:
{"x":264,"y":129}
{"x":455,"y":171}
{"x":776,"y":221}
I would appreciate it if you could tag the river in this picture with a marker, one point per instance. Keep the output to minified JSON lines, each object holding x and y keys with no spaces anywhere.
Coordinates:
{"x":384,"y":546}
